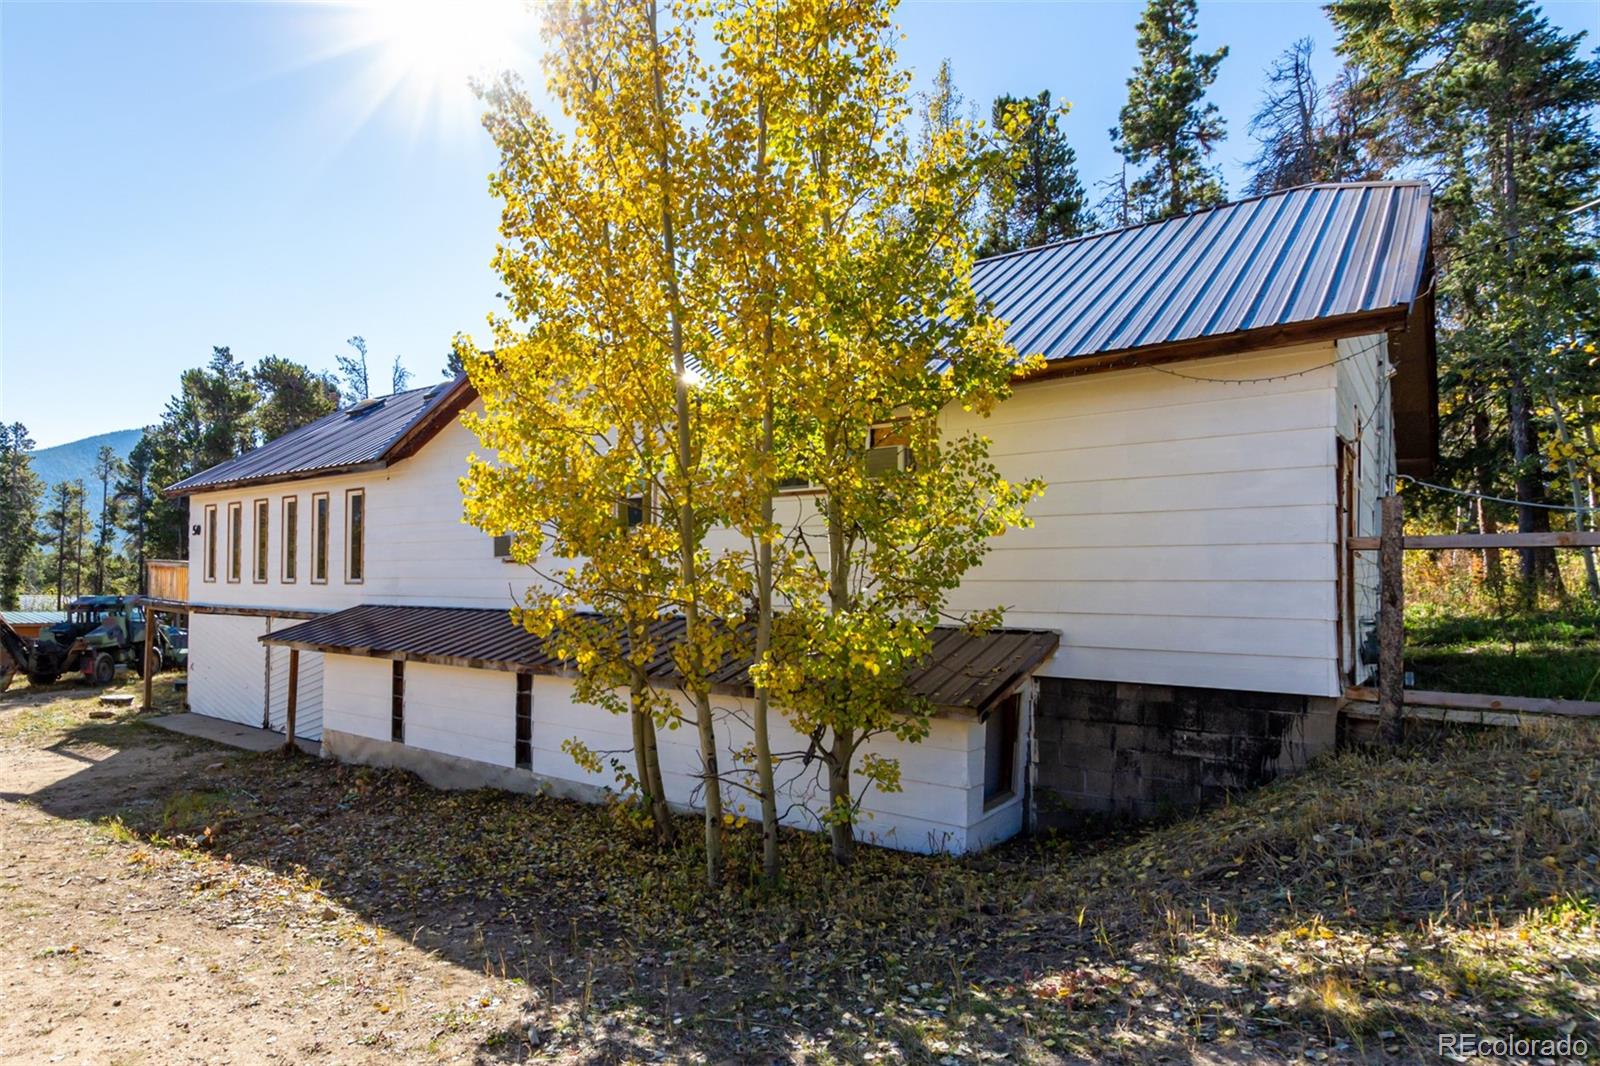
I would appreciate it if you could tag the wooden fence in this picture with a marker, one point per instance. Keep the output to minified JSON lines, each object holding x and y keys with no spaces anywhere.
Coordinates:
{"x":1391,"y":695}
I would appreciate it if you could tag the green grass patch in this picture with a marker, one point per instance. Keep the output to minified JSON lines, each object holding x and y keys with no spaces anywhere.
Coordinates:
{"x":1548,"y":653}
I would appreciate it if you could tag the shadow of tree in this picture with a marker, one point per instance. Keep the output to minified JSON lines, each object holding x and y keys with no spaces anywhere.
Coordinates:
{"x":1275,"y":927}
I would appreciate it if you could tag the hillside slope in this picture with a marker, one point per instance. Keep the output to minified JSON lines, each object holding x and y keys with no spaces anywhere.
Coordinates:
{"x":75,"y":460}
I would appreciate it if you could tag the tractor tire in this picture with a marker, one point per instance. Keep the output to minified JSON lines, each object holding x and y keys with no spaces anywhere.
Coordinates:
{"x":105,"y":671}
{"x":138,"y":663}
{"x":40,"y":680}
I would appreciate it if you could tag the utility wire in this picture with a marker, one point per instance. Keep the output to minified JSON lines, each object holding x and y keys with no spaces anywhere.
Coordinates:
{"x":1269,"y":377}
{"x":1494,"y":499}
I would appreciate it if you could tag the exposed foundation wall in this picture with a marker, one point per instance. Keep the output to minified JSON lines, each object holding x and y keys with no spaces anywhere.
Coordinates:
{"x":1110,"y":748}
{"x":460,"y":733}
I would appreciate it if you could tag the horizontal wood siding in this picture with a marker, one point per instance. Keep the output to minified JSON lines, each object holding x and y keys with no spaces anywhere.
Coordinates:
{"x":471,"y":714}
{"x":1187,"y":532}
{"x":1187,"y":535}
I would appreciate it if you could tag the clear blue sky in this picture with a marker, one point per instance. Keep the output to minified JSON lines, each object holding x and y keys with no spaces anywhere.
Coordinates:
{"x":174,"y":176}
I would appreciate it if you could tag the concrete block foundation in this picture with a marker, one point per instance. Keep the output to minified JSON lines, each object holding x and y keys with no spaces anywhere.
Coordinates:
{"x":1142,"y":751}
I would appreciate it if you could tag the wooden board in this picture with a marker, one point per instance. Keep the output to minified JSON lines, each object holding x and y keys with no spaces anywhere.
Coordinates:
{"x":1478,"y":541}
{"x":1473,"y":701}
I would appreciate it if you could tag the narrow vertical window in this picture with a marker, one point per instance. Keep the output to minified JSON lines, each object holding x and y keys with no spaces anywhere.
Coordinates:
{"x":319,"y":538}
{"x":260,"y":572}
{"x":211,"y":542}
{"x":524,"y":721}
{"x":633,"y":510}
{"x":291,"y":536}
{"x":355,"y":533}
{"x":235,"y":540}
{"x":397,"y":703}
{"x":1000,"y":751}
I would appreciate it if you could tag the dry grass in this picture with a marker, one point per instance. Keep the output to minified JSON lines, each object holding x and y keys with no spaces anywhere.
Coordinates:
{"x":1366,"y":905}
{"x":1464,"y":636}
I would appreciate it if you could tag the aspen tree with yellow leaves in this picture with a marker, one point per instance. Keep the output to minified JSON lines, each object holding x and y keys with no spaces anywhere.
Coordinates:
{"x":720,"y":277}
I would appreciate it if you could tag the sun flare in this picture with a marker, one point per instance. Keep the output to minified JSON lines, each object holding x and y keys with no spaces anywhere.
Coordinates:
{"x":420,"y":55}
{"x":438,"y":44}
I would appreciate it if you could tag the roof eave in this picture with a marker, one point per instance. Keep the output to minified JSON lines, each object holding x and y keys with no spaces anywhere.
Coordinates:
{"x":177,"y":491}
{"x":433,"y":419}
{"x":1331,"y":328}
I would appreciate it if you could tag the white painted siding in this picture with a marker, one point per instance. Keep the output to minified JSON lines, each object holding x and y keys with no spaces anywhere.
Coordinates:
{"x":419,"y":549}
{"x":1186,"y":535}
{"x":470,"y":714}
{"x":308,"y":708}
{"x":1365,"y":420}
{"x":227,"y":667}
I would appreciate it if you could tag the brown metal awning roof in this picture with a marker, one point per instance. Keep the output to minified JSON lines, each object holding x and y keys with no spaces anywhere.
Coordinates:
{"x":964,"y":672}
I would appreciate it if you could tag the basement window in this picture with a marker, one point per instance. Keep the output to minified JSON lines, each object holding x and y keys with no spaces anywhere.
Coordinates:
{"x":319,"y":538}
{"x":397,"y":702}
{"x":235,"y":540}
{"x":260,"y":572}
{"x":1000,"y":751}
{"x":210,"y":573}
{"x":524,"y":749}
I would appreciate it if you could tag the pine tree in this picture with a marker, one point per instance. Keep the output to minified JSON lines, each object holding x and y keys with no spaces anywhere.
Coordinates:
{"x":1039,"y":199}
{"x":353,"y":371}
{"x":65,"y":526}
{"x":20,"y":490}
{"x":291,"y":395}
{"x":134,"y":494}
{"x":1499,"y":105}
{"x":942,"y":106}
{"x":108,"y":467}
{"x":1166,"y":126}
{"x":210,"y":420}
{"x":1307,"y":134}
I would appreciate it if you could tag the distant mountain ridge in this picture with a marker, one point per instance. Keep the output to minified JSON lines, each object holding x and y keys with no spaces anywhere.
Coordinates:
{"x":75,"y":460}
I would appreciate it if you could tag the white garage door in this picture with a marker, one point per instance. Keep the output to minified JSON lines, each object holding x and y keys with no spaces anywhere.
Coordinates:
{"x":227,"y":667}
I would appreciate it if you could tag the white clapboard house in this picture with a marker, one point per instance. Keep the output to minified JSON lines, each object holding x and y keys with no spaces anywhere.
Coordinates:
{"x":1227,"y":395}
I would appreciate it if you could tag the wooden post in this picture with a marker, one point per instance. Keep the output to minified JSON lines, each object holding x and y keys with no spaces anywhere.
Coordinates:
{"x":1391,"y":620}
{"x":294,"y":696}
{"x":149,"y":658}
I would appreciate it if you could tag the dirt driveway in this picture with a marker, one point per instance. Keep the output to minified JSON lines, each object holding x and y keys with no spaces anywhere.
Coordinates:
{"x":163,"y":900}
{"x":115,"y":951}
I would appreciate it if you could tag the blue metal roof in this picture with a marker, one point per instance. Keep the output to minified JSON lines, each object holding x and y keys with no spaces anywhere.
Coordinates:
{"x":1316,"y":252}
{"x":1319,"y":252}
{"x":358,"y":437}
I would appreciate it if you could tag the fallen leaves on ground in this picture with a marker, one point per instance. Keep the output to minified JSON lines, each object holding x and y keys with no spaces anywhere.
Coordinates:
{"x":1355,"y":910}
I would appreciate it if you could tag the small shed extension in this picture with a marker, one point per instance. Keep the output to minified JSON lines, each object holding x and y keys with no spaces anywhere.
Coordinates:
{"x":467,"y":699}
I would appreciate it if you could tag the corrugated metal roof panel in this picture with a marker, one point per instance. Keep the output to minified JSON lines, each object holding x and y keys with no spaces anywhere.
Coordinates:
{"x":345,"y":439}
{"x":964,"y":671}
{"x":1319,"y":251}
{"x":33,"y":618}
